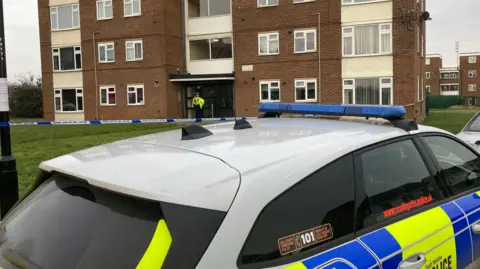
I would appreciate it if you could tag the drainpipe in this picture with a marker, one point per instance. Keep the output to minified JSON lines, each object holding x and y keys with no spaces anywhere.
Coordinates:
{"x":319,"y":60}
{"x":184,"y":34}
{"x":95,"y":71}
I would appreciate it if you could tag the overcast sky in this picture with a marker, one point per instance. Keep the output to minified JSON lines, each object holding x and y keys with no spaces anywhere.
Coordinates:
{"x":451,"y":21}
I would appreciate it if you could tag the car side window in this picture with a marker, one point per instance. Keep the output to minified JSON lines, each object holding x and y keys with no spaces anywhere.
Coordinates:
{"x":317,"y":210}
{"x":395,"y":180}
{"x":460,"y":166}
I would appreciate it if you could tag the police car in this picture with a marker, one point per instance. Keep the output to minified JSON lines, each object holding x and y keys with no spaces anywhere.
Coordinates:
{"x":350,"y":187}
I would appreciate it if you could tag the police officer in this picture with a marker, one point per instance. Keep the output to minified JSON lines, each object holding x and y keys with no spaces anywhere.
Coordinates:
{"x":198,"y":103}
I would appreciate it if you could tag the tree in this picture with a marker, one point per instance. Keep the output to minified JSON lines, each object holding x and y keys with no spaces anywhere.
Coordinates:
{"x":25,"y":97}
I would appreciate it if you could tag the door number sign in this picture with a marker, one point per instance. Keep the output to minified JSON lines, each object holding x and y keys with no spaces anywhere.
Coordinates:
{"x":298,"y":241}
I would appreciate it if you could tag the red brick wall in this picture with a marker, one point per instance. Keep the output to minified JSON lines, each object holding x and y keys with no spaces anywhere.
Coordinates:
{"x":46,"y":56}
{"x":248,"y":21}
{"x":465,"y":80}
{"x":434,"y":69}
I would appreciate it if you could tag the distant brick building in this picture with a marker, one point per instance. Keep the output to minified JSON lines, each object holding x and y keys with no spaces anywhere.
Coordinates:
{"x":130,"y":59}
{"x":459,"y":81}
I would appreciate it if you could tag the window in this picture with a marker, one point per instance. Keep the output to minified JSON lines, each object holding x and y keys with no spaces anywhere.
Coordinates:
{"x":460,"y":166}
{"x":449,"y":75}
{"x":305,"y":41}
{"x":396,"y":181}
{"x":449,"y":87}
{"x":93,"y":221}
{"x":65,"y":17}
{"x":209,"y":49}
{"x":328,"y":192}
{"x":104,"y":9}
{"x":305,"y":90}
{"x":419,"y":89}
{"x":358,"y":1}
{"x":367,"y":39}
{"x":132,"y":8}
{"x":427,"y":75}
{"x":472,"y":87}
{"x":67,"y":59}
{"x":134,"y":50}
{"x":266,"y":3}
{"x":106,"y":52}
{"x":135,"y":95}
{"x":427,"y":61}
{"x":427,"y":88}
{"x":206,"y":8}
{"x":472,"y":59}
{"x":368,"y":91}
{"x":68,"y":100}
{"x":472,"y":73}
{"x":268,"y":44}
{"x":270,"y":91}
{"x":107,"y":95}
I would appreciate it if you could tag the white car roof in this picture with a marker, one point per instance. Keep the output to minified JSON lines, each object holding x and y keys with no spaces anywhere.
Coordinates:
{"x":207,"y":172}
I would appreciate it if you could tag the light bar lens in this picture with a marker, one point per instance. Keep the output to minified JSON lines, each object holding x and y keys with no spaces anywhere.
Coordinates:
{"x":375,"y":111}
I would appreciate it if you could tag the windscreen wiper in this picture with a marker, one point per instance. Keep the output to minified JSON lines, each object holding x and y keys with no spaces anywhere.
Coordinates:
{"x":18,"y":260}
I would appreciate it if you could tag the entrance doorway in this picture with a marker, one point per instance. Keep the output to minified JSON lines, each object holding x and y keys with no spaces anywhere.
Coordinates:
{"x":218,"y":99}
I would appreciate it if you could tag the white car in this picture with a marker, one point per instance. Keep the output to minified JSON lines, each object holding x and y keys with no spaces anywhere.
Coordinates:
{"x":471,"y":132}
{"x":274,"y":192}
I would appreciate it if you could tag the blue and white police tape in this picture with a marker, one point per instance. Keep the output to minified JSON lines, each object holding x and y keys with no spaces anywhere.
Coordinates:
{"x":94,"y":122}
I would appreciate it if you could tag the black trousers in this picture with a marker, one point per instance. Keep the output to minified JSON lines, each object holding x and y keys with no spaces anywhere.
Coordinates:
{"x":198,"y":112}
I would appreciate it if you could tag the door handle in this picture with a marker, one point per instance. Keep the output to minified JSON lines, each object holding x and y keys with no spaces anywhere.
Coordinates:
{"x":414,"y":262}
{"x":476,"y":228}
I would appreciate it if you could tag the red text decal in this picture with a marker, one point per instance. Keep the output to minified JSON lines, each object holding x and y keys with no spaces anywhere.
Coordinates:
{"x":407,"y":206}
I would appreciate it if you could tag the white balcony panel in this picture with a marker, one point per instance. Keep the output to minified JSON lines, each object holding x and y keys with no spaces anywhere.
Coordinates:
{"x":66,"y":38}
{"x":449,"y":93}
{"x":68,"y":79}
{"x":62,"y":2}
{"x":376,"y":12}
{"x":364,"y":67}
{"x":218,"y":66}
{"x":209,"y":25}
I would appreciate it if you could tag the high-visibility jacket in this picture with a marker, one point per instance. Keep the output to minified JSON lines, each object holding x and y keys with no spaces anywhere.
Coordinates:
{"x":198,"y":101}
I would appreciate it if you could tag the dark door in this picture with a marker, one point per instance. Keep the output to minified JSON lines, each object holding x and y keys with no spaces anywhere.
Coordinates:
{"x":218,"y":99}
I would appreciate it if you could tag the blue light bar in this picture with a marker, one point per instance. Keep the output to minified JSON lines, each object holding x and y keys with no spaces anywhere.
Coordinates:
{"x":374,"y":111}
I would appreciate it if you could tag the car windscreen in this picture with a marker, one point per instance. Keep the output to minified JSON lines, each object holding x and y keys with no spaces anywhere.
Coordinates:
{"x":473,"y":125}
{"x":67,"y":223}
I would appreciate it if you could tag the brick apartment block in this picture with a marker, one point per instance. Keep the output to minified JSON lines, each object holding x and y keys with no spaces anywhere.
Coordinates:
{"x":130,"y":59}
{"x":461,"y":80}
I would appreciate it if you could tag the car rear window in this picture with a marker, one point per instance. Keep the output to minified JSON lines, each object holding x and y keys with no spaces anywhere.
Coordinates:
{"x":67,"y":223}
{"x":473,"y":125}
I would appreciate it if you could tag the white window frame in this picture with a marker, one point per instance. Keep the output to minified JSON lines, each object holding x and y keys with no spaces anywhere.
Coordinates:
{"x":78,"y":93}
{"x":302,"y":1}
{"x":472,"y":59}
{"x":472,"y":87}
{"x":105,"y":45}
{"x":104,"y":9}
{"x":108,"y":90}
{"x":131,"y":2}
{"x":427,"y":88}
{"x":427,"y":61}
{"x":305,"y":32}
{"x":269,"y":83}
{"x":75,"y":53}
{"x":427,"y":75}
{"x":472,"y":73}
{"x":136,"y":86}
{"x":381,"y":86}
{"x":351,"y":34}
{"x":352,"y":2}
{"x":54,"y":10}
{"x":306,"y":81}
{"x":267,"y":5}
{"x":132,"y":43}
{"x":268,"y":36}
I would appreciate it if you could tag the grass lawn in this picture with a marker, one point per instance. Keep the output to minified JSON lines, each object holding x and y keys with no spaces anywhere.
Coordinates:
{"x":34,"y":144}
{"x":450,"y":120}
